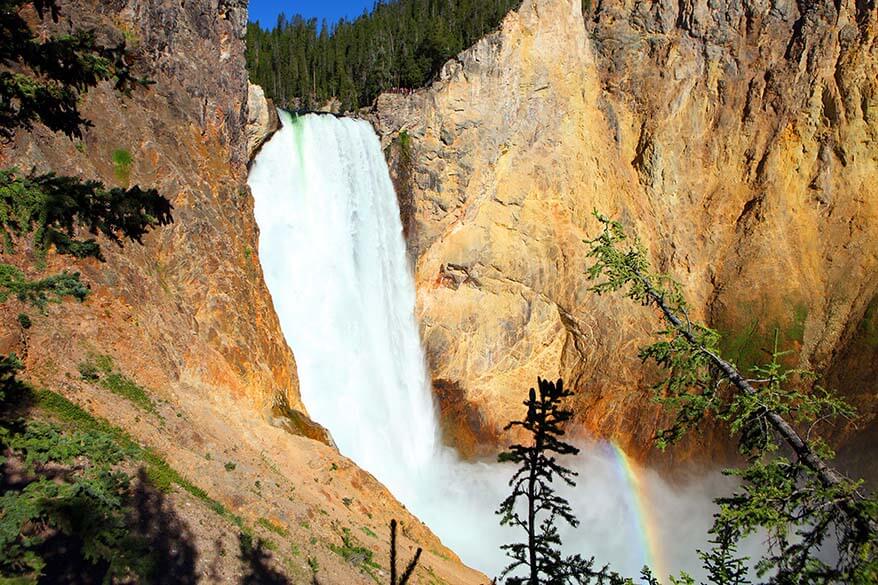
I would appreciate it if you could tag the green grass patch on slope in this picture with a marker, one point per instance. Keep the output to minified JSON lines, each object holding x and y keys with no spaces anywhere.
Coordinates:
{"x":355,"y":554}
{"x":122,"y":161}
{"x":159,"y":472}
{"x":271,"y":526}
{"x":101,"y":370}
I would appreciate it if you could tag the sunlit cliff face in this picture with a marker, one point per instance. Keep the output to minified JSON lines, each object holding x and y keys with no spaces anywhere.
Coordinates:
{"x":737,"y":140}
{"x":334,"y":257}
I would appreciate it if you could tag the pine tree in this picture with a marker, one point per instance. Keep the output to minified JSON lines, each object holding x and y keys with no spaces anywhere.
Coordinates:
{"x":721,"y":562}
{"x":538,"y":467}
{"x":809,"y":511}
{"x":399,"y":44}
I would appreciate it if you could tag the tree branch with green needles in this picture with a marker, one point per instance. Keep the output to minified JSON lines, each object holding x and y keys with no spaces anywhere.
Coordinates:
{"x":784,"y":497}
{"x":52,"y":207}
{"x":39,"y":293}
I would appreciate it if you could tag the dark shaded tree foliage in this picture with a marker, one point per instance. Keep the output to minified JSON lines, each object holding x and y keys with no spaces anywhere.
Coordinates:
{"x":399,"y":44}
{"x":53,"y":207}
{"x":66,"y":510}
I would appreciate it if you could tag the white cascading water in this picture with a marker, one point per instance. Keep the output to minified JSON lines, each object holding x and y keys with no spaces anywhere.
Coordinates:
{"x":334,"y":258}
{"x":335,"y":263}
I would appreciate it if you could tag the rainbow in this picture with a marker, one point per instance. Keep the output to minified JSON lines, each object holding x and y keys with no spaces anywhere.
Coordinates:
{"x":643,"y":523}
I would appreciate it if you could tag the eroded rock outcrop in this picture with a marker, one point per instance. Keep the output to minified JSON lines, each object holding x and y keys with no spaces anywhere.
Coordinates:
{"x":262,"y":120}
{"x":737,"y":138}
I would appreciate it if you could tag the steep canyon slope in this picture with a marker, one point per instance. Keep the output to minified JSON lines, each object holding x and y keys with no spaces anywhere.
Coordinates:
{"x":737,"y":138}
{"x":187,"y":315}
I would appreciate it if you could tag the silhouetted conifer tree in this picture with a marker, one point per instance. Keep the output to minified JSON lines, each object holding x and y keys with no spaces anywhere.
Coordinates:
{"x":532,"y":482}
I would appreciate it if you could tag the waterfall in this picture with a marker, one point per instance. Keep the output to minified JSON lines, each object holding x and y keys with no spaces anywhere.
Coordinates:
{"x":334,"y":258}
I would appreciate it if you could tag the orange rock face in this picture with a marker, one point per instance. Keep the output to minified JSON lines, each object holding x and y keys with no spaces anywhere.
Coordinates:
{"x":738,"y":140}
{"x":189,"y":305}
{"x":187,"y":315}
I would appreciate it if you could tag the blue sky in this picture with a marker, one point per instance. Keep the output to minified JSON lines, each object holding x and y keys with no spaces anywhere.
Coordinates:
{"x":266,"y":11}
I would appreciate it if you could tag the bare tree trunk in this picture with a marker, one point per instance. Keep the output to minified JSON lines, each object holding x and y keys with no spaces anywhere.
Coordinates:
{"x":532,"y":513}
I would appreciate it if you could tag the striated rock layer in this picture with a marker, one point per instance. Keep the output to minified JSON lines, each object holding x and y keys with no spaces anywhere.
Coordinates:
{"x":737,"y":138}
{"x":187,"y":315}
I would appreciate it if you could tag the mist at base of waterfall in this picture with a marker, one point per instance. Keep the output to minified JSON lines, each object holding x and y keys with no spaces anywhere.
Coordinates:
{"x":334,"y":259}
{"x":459,"y":505}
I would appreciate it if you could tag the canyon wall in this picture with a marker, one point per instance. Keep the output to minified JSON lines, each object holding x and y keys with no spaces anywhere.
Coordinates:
{"x":189,"y":304}
{"x":187,"y":316}
{"x":738,"y":139}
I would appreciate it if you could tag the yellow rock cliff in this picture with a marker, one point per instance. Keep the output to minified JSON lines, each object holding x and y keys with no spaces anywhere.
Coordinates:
{"x":737,"y":138}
